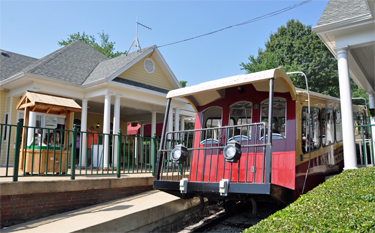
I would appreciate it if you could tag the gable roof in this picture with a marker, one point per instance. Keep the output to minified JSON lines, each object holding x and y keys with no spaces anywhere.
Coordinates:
{"x":12,"y":63}
{"x":340,"y":10}
{"x":106,"y":69}
{"x":72,"y":63}
{"x":80,"y":64}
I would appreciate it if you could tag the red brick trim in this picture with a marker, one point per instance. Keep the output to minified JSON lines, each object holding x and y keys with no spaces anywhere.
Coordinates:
{"x":15,"y":209}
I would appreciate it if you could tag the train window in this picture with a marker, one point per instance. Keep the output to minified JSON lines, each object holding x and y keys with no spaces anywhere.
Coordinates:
{"x":338,"y":126}
{"x":240,"y":114}
{"x":328,"y":127}
{"x":212,"y":119}
{"x":310,"y":136}
{"x":279,"y":116}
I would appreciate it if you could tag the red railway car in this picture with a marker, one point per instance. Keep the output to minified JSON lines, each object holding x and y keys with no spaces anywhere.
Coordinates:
{"x":229,"y":155}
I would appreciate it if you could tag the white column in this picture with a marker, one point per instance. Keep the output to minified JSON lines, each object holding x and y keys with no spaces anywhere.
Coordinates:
{"x":177,"y":120}
{"x":182,"y":123}
{"x":106,"y":128}
{"x":153,"y":123}
{"x":371,"y":97}
{"x":350,"y":157}
{"x":84,"y":129}
{"x":32,"y":123}
{"x":142,"y":130}
{"x":116,"y":127}
{"x":170,"y":123}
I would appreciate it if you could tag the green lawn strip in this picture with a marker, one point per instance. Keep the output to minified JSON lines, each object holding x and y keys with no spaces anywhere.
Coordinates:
{"x":344,"y":203}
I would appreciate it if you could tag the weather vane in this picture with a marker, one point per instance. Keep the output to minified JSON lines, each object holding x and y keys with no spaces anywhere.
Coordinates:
{"x":136,"y":41}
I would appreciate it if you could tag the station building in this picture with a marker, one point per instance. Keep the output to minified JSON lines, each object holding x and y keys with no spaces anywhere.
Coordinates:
{"x":347,"y":28}
{"x":112,"y":92}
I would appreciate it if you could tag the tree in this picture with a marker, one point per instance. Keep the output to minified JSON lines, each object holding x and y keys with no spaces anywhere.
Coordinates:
{"x":183,"y":83}
{"x":105,"y":47}
{"x":295,"y":47}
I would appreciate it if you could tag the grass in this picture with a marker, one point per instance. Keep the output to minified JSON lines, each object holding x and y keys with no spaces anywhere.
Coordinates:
{"x":344,"y":203}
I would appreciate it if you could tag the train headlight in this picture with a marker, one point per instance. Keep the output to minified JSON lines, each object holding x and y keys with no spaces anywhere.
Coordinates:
{"x":232,"y":152}
{"x":179,"y":154}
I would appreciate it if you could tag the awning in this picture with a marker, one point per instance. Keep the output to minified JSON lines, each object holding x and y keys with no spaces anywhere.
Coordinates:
{"x":207,"y":92}
{"x":46,"y":103}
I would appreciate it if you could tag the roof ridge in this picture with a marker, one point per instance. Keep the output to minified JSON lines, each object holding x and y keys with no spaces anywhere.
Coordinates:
{"x":91,"y":72}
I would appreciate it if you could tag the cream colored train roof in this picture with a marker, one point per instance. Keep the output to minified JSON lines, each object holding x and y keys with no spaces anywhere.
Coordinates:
{"x":207,"y":92}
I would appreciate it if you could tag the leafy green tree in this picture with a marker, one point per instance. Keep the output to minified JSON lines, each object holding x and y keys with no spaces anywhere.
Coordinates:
{"x":183,"y":83}
{"x":295,"y":47}
{"x":105,"y":46}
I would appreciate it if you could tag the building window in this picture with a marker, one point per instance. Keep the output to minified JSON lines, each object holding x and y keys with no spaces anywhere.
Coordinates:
{"x":149,"y":65}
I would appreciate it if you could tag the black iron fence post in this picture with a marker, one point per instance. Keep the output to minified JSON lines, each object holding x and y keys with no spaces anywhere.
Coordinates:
{"x":119,"y":153}
{"x":17,"y":152}
{"x":153,"y":153}
{"x":73,"y":153}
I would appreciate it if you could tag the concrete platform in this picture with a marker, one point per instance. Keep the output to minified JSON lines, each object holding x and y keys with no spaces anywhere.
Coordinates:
{"x":143,"y":212}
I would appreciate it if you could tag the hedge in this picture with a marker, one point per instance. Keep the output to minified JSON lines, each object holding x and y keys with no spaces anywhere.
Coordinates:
{"x":344,"y":203}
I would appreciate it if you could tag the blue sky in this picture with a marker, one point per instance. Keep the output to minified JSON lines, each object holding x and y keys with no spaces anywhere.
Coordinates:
{"x":33,"y":28}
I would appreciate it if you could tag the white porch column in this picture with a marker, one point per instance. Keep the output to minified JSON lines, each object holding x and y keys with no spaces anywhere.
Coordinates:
{"x":84,"y":129}
{"x":371,"y":97}
{"x":350,"y":157}
{"x":30,"y":133}
{"x":153,"y":123}
{"x":106,"y":128}
{"x":170,"y":122}
{"x":116,"y":127}
{"x":182,"y":123}
{"x":177,"y":120}
{"x":142,"y":130}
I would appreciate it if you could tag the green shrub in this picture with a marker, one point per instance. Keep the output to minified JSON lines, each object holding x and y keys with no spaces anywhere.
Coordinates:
{"x":344,"y":203}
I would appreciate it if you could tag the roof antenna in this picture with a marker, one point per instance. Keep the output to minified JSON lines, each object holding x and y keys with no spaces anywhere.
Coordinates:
{"x":136,"y":41}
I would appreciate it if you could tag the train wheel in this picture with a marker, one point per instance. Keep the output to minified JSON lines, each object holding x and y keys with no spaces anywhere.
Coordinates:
{"x":201,"y":204}
{"x":229,"y":206}
{"x":254,"y":207}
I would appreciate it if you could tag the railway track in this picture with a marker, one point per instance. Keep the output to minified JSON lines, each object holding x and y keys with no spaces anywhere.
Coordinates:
{"x":240,"y":218}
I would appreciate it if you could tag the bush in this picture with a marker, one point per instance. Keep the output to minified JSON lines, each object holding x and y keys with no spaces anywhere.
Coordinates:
{"x":344,"y":203}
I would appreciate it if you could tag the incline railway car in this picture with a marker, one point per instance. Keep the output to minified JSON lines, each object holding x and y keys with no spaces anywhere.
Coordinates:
{"x":230,"y":154}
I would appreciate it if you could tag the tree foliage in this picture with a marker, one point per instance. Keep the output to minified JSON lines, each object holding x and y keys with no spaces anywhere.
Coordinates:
{"x":105,"y":46}
{"x":183,"y":83}
{"x":295,"y":47}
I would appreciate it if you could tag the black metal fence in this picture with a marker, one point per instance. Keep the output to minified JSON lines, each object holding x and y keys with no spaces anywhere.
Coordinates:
{"x":57,"y":152}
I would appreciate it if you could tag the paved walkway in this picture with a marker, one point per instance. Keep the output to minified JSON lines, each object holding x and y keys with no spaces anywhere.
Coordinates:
{"x":142,"y":212}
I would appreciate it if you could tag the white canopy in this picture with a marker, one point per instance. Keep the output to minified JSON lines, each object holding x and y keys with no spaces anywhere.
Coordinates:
{"x":207,"y":92}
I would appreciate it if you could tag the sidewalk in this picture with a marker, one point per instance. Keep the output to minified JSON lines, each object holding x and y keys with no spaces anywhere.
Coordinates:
{"x":140,"y":213}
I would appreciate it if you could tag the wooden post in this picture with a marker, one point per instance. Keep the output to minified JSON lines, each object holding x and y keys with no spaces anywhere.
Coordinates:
{"x":67,"y":122}
{"x":23,"y":143}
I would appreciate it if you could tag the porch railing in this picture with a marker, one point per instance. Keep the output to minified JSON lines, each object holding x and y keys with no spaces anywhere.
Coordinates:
{"x":365,"y":144}
{"x":57,"y":152}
